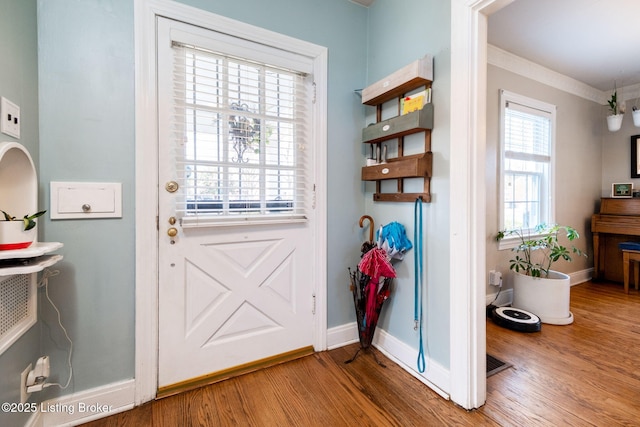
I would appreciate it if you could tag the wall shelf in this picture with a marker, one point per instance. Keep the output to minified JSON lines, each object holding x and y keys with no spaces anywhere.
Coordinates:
{"x":418,"y":165}
{"x":19,"y":267}
{"x":398,"y":85}
{"x":418,"y":73}
{"x":398,"y":126}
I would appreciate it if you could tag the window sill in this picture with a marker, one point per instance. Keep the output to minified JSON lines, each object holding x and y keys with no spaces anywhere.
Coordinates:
{"x":513,"y":241}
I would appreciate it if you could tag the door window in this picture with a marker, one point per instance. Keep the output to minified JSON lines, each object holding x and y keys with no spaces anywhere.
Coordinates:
{"x":240,"y":137}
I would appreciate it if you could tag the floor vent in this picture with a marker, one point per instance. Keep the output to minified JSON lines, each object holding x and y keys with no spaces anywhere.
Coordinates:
{"x":495,"y":365}
{"x":17,"y":307}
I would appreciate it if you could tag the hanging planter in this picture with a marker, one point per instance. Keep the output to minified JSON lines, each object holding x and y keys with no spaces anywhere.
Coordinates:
{"x":636,"y":117}
{"x":614,"y":122}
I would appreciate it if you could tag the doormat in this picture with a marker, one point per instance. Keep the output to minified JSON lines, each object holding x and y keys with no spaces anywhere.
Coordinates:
{"x":495,"y":365}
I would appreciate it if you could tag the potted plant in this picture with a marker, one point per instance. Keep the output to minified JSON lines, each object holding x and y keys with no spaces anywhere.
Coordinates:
{"x":635,"y":113}
{"x":536,"y":287}
{"x":614,"y":120}
{"x":17,"y":233}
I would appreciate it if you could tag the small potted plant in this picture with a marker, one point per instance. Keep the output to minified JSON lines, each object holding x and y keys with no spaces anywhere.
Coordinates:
{"x":614,"y":120}
{"x":17,"y":233}
{"x":536,"y":287}
{"x":635,"y":113}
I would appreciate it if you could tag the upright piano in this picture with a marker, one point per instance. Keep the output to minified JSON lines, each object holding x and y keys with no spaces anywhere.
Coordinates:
{"x":618,"y":221}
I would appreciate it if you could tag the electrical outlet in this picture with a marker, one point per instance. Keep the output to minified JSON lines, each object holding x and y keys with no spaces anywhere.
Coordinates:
{"x":495,"y":278}
{"x":23,"y":384}
{"x":9,"y":118}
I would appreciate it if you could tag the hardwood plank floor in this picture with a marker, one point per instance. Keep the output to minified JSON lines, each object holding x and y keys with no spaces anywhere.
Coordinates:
{"x":577,"y":375}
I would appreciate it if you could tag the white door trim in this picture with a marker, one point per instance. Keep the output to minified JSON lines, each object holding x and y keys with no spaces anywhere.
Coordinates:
{"x":146,"y":328}
{"x":467,"y":202}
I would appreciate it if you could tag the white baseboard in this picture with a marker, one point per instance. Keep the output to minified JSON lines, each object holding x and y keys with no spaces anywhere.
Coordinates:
{"x":581,"y":276}
{"x":85,"y":406}
{"x":342,"y":335}
{"x":502,"y":298}
{"x":435,"y":375}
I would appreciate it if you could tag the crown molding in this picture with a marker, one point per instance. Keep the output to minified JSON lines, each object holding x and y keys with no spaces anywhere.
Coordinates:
{"x":516,"y":64}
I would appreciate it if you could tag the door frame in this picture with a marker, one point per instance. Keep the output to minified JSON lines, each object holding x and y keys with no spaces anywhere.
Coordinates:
{"x":468,"y":387}
{"x":146,"y":164}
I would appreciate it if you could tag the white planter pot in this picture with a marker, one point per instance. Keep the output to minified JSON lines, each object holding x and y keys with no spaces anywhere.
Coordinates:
{"x":13,"y":236}
{"x":547,"y":298}
{"x":636,"y":118}
{"x":614,"y":122}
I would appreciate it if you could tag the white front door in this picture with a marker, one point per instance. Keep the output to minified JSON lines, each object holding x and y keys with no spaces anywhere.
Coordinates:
{"x":236,"y":205}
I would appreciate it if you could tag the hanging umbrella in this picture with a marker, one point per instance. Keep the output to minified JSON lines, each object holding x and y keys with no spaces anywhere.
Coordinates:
{"x":393,"y":239}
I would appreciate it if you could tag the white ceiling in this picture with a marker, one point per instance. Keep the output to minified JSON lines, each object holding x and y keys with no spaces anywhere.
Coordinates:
{"x":594,"y":41}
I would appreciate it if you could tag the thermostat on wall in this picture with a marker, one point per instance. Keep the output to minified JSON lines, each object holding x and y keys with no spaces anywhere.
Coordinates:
{"x":75,"y":200}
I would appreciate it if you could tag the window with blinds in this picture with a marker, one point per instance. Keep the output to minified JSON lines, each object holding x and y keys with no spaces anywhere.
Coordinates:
{"x":527,"y":137}
{"x":240,"y":136}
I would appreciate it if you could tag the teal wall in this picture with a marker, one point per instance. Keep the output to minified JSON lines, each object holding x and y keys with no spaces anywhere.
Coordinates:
{"x":85,"y":67}
{"x":405,"y":31}
{"x":86,"y":60}
{"x":19,"y":84}
{"x":86,"y":81}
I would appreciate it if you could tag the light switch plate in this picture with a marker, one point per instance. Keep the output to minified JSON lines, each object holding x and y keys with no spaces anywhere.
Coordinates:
{"x":10,"y":118}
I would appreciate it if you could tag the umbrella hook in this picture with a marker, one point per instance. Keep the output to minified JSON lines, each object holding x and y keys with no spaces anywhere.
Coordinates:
{"x":362,"y":218}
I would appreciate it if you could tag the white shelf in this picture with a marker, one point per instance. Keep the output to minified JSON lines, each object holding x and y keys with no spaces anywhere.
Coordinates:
{"x":35,"y":250}
{"x":29,"y":260}
{"x":33,"y":265}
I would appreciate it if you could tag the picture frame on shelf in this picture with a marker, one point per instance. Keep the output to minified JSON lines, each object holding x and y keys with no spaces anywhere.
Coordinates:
{"x":622,"y":189}
{"x":635,"y":156}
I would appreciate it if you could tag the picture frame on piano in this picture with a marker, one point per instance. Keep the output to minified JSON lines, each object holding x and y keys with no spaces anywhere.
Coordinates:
{"x":622,"y":189}
{"x":635,"y":156}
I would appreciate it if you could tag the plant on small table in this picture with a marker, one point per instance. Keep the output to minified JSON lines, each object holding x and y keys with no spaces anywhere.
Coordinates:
{"x":545,"y":242}
{"x":29,"y":220}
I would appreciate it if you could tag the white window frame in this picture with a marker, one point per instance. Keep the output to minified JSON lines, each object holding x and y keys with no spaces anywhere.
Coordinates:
{"x":546,"y":109}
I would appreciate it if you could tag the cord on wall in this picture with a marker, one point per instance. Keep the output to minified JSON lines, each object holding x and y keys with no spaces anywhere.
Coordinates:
{"x":44,"y":283}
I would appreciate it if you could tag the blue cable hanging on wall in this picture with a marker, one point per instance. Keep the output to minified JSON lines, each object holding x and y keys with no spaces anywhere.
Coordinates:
{"x":418,"y":288}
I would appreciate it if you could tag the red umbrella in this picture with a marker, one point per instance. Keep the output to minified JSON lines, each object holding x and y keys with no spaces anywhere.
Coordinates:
{"x":370,"y":286}
{"x":375,"y":264}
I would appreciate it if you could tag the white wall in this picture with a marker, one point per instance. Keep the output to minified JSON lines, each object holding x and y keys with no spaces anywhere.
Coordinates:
{"x":616,"y":152}
{"x":579,"y":166}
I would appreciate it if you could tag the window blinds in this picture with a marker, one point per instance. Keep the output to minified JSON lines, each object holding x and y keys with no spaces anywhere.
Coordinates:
{"x":240,"y":131}
{"x":527,"y":133}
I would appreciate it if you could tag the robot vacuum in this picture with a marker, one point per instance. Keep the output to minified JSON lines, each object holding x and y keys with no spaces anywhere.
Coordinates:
{"x":516,"y":319}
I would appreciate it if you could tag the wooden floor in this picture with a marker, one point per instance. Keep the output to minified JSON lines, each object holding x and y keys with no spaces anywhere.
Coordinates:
{"x":587,"y":373}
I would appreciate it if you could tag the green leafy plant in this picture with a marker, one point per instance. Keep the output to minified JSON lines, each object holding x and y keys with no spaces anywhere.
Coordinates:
{"x":29,"y":220}
{"x":536,"y":253}
{"x":614,"y":107}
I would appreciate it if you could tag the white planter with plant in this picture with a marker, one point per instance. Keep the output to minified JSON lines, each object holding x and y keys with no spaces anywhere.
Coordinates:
{"x":635,"y":113}
{"x":546,"y":297}
{"x":537,"y":288}
{"x":17,"y":233}
{"x":616,"y":110}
